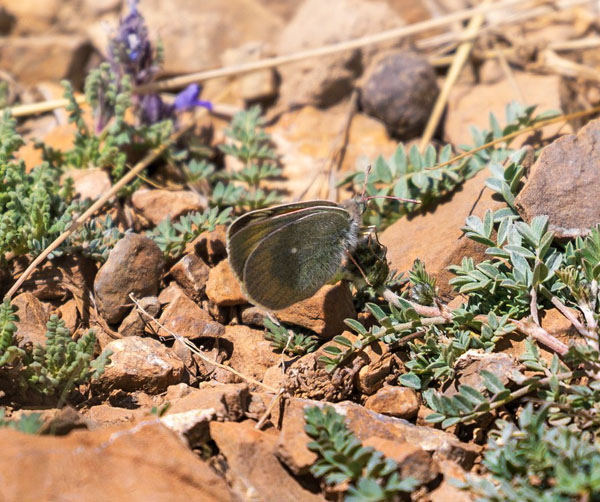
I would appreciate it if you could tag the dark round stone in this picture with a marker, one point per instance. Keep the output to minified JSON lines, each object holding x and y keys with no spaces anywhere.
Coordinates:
{"x":401,"y":91}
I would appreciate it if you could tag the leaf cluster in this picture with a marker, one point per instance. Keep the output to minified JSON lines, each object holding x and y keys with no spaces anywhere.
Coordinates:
{"x":251,"y":147}
{"x":414,"y":175}
{"x":114,"y":142}
{"x":56,"y":368}
{"x":342,"y":459}
{"x":29,"y":423}
{"x":35,"y":207}
{"x":289,"y":342}
{"x":530,"y":461}
{"x":173,"y":237}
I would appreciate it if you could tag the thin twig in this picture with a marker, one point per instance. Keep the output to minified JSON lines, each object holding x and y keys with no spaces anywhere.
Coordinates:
{"x":357,"y":43}
{"x":541,"y":335}
{"x":195,"y":350}
{"x":459,"y":60}
{"x":566,"y":312}
{"x":396,"y":33}
{"x":77,"y":223}
{"x":267,"y":413}
{"x":534,"y":127}
{"x":508,"y":73}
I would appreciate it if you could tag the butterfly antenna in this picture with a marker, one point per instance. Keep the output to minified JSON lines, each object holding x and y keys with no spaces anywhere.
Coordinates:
{"x":362,"y":195}
{"x":359,"y":269}
{"x":393,"y":197}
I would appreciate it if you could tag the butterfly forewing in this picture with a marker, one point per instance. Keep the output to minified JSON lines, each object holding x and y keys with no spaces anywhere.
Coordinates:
{"x":294,"y":261}
{"x":264,"y":214}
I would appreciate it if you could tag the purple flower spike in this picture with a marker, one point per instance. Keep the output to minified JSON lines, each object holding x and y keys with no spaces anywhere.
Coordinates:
{"x":130,"y":50}
{"x":153,"y":109}
{"x":188,"y":98}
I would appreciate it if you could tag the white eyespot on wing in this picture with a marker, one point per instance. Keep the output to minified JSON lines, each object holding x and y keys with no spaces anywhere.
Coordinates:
{"x":294,"y":250}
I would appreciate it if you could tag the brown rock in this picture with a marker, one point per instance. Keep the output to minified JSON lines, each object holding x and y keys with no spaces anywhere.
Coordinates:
{"x":53,"y":420}
{"x":191,"y":426}
{"x":210,"y":246}
{"x":135,"y":323}
{"x":158,"y":204}
{"x":447,"y":491}
{"x":323,"y":313}
{"x":69,"y":313}
{"x":307,"y":377}
{"x":33,"y":17}
{"x":436,"y":237}
{"x":560,"y":181}
{"x":191,"y":273}
{"x":443,"y":445}
{"x":274,"y":377}
{"x":255,"y":86}
{"x":305,"y":138}
{"x":469,"y":366}
{"x":401,"y":91}
{"x":251,"y":353}
{"x":253,"y":316}
{"x":45,"y":57}
{"x":207,"y":29}
{"x":467,"y":100}
{"x":318,"y":23}
{"x":134,"y":266}
{"x":134,"y":459}
{"x":106,"y":415}
{"x":222,"y":288}
{"x":252,"y":468}
{"x":228,"y":402}
{"x":292,"y":441}
{"x":400,"y":402}
{"x":365,"y":424}
{"x":49,"y":281}
{"x":89,"y":183}
{"x":170,"y":293}
{"x":413,"y":461}
{"x":140,"y":364}
{"x":31,"y":328}
{"x":379,"y":364}
{"x":187,"y":319}
{"x":59,"y":136}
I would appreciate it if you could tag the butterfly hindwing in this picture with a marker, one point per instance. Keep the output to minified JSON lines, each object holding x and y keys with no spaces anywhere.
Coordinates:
{"x":248,"y":230}
{"x":295,"y":260}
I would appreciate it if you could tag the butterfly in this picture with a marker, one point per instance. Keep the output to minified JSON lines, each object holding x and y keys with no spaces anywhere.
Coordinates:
{"x":285,"y":254}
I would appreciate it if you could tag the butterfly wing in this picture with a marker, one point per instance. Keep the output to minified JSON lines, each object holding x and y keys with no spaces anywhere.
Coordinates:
{"x":294,"y":261}
{"x":248,"y":230}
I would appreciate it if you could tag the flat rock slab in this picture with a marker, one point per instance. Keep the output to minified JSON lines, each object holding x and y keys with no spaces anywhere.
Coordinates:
{"x":563,"y":182}
{"x":140,"y":463}
{"x":436,"y":237}
{"x":253,"y":470}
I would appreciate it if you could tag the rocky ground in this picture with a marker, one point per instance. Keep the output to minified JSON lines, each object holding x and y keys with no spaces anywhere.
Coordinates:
{"x":168,"y":420}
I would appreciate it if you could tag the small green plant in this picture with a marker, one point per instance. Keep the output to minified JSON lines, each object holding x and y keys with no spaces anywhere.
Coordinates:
{"x":173,"y":237}
{"x":415,"y":175}
{"x":251,"y":147}
{"x":529,"y":461}
{"x":63,"y":363}
{"x":29,"y":423}
{"x":160,"y":411}
{"x":342,"y":459}
{"x":9,"y":352}
{"x":35,"y":207}
{"x":56,"y":368}
{"x":287,"y":341}
{"x":232,"y":190}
